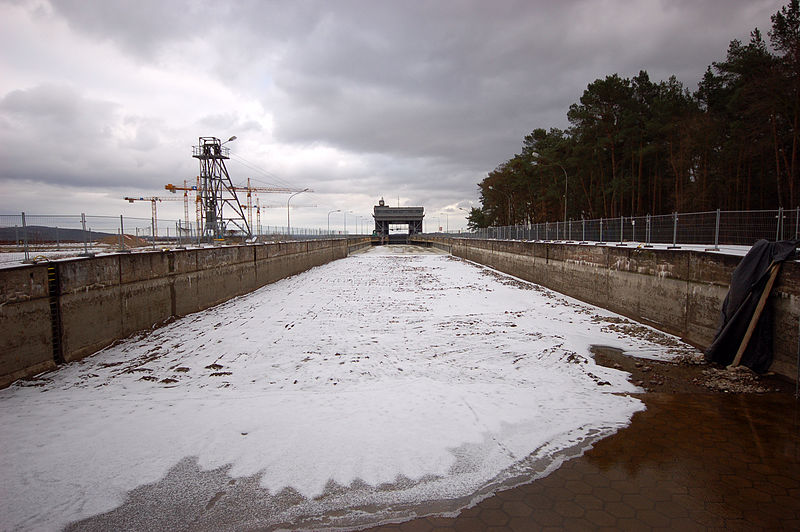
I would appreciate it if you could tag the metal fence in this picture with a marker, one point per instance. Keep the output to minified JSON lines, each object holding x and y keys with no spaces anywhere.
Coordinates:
{"x":24,"y":236}
{"x":713,"y":228}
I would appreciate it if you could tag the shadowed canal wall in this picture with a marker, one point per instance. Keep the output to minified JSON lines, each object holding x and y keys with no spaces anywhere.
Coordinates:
{"x":66,"y":310}
{"x":676,"y":291}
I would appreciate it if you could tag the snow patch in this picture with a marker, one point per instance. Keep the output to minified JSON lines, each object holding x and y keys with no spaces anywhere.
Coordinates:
{"x":381,"y":368}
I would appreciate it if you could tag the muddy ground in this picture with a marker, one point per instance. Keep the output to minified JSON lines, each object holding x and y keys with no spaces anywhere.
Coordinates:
{"x":690,"y":374}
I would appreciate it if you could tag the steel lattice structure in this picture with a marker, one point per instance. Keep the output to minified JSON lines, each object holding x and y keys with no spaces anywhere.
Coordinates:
{"x":216,"y":191}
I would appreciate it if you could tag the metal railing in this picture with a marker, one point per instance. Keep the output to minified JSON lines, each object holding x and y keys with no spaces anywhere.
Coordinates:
{"x":713,"y":228}
{"x":24,"y":237}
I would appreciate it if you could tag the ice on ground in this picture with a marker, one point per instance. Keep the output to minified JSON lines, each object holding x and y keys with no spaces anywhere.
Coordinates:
{"x":388,"y":367}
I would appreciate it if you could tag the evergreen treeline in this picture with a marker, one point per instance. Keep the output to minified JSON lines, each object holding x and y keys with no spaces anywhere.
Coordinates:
{"x":638,"y":147}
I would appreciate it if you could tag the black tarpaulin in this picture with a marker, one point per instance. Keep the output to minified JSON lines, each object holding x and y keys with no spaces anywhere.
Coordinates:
{"x":748,"y":282}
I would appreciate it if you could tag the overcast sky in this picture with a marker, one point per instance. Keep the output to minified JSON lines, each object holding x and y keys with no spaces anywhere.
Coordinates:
{"x":354,"y":99}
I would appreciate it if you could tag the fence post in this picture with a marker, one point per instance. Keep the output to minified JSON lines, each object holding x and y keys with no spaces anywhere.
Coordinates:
{"x":797,"y":223}
{"x":674,"y":231}
{"x":601,"y":230}
{"x":778,"y":227}
{"x":716,"y":234}
{"x":58,"y":240}
{"x":547,"y":230}
{"x":621,"y":229}
{"x":583,"y":230}
{"x":83,"y":226}
{"x":647,"y":231}
{"x":633,"y":230}
{"x":25,"y":238}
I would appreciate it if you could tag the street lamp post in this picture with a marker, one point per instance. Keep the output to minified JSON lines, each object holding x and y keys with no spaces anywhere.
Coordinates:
{"x":288,"y":221}
{"x":345,"y":220}
{"x":465,"y":210}
{"x":566,"y":182}
{"x":329,"y":220}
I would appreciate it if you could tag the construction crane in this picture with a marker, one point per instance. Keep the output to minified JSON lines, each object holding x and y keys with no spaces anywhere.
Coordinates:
{"x":248,"y":189}
{"x":272,"y":190}
{"x":186,"y":188}
{"x":154,"y":216}
{"x":258,"y":208}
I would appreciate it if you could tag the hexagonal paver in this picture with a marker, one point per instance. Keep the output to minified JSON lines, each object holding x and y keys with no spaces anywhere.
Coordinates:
{"x":469,"y":524}
{"x":638,"y":501}
{"x":568,"y":509}
{"x":521,"y":524}
{"x":672,"y":509}
{"x":578,"y":486}
{"x":600,"y":518}
{"x":626,"y":487}
{"x":517,"y":509}
{"x":494,"y":517}
{"x":755,"y":495}
{"x":652,"y":518}
{"x":546,"y":517}
{"x":619,"y":510}
{"x":418,"y":525}
{"x":588,"y":502}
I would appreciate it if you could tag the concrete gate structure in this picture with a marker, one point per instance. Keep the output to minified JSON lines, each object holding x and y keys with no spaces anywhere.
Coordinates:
{"x":385,"y":215}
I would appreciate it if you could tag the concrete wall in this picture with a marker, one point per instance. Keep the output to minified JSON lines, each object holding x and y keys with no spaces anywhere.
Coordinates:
{"x":27,"y":344}
{"x":91,"y":302}
{"x":676,"y":291}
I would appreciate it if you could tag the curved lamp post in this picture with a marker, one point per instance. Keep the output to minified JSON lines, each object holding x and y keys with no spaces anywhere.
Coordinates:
{"x":345,"y":220}
{"x":446,"y":221}
{"x":288,"y":222}
{"x":329,"y":220}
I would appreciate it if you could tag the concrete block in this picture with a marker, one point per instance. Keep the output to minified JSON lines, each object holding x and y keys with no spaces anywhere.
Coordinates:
{"x":89,"y":273}
{"x":144,"y":304}
{"x":183,"y":261}
{"x":142,"y":266}
{"x":91,"y":319}
{"x":711,"y":267}
{"x":184,"y":293}
{"x":26,"y":343}
{"x":703,"y":306}
{"x":23,"y":283}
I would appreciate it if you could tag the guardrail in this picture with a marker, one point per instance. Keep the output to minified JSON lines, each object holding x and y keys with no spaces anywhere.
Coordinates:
{"x":25,"y":236}
{"x":713,"y":228}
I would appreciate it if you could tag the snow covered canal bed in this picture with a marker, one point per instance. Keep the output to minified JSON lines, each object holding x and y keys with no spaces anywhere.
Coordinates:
{"x":393,"y":383}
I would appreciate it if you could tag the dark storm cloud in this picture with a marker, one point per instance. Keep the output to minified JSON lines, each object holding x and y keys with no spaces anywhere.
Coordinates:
{"x":452,"y":79}
{"x":54,"y":134}
{"x":52,"y":129}
{"x":428,"y":95}
{"x":466,"y":80}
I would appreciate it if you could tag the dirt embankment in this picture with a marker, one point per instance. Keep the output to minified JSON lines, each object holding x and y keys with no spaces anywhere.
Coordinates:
{"x":690,"y":374}
{"x":130,"y":241}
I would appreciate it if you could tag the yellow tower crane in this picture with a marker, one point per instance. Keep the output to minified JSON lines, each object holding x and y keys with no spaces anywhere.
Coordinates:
{"x":154,"y":216}
{"x":248,"y":189}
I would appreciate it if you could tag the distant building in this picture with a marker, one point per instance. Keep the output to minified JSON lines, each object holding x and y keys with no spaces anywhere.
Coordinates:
{"x":385,"y":216}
